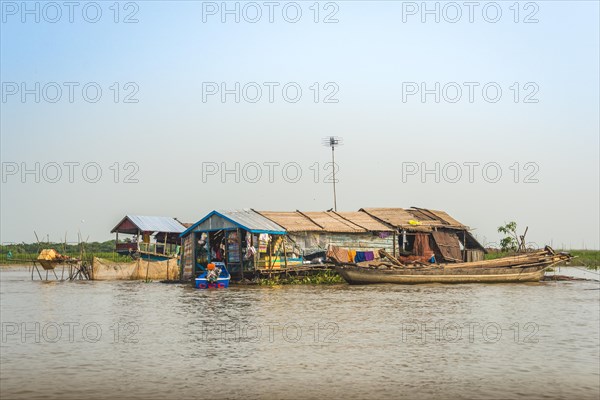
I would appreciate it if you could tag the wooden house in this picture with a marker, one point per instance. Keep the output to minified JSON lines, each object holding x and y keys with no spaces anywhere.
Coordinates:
{"x":424,"y":231}
{"x":149,"y":237}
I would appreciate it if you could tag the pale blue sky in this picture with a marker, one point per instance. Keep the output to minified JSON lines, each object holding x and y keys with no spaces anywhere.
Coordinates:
{"x":368,"y":54}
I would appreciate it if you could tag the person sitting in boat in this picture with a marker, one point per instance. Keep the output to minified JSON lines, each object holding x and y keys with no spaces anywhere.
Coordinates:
{"x":212,"y":273}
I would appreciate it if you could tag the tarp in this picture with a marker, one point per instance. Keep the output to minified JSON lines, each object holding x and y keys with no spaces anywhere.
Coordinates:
{"x":421,"y":246}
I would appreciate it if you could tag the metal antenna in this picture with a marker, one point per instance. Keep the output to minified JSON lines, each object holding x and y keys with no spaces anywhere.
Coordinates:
{"x":333,"y":142}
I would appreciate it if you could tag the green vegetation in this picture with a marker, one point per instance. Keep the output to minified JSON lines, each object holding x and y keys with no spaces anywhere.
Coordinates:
{"x":24,"y":253}
{"x":511,"y":241}
{"x":492,"y":255}
{"x":584,"y":258}
{"x":327,"y":277}
{"x":33,"y":248}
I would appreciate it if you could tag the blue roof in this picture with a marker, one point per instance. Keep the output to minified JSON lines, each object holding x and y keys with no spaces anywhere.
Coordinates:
{"x":153,"y":224}
{"x":246,"y":219}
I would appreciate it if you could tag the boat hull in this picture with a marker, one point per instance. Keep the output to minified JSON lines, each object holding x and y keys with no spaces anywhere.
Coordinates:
{"x":360,"y":275}
{"x":203,"y":283}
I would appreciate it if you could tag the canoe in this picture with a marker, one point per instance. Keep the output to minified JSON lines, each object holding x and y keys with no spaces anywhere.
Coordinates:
{"x":507,"y":269}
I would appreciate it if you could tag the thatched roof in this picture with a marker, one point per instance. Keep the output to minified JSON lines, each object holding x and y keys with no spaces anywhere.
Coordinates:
{"x":423,"y":219}
{"x":363,"y":220}
{"x":325,"y":221}
{"x":292,"y":221}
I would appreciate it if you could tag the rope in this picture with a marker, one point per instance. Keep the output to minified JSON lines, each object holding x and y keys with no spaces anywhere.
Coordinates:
{"x":581,"y":269}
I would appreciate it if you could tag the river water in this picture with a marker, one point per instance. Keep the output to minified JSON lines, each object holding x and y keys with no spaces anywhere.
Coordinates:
{"x":105,"y":340}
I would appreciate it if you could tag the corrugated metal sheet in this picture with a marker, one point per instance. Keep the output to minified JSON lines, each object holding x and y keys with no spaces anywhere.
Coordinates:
{"x":152,"y":224}
{"x":246,"y":219}
{"x":252,"y":220}
{"x":213,"y":222}
{"x":448,"y":245}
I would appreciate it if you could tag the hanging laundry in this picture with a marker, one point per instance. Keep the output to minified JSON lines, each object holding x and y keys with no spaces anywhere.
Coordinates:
{"x":351,"y":255}
{"x":360,"y":256}
{"x":369,"y":256}
{"x":263,"y":241}
{"x":338,"y":254}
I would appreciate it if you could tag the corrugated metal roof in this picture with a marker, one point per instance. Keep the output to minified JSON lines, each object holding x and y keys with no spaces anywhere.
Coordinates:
{"x":246,"y":219}
{"x":251,"y":220}
{"x":153,"y":224}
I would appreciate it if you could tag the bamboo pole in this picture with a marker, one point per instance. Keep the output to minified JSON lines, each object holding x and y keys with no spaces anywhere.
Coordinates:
{"x":38,"y":271}
{"x":269,"y":245}
{"x":504,"y":261}
{"x":390,"y":257}
{"x":240,"y":252}
{"x":285,"y":254}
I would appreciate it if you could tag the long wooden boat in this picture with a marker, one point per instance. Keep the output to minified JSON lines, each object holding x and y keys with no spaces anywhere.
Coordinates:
{"x":521,"y":268}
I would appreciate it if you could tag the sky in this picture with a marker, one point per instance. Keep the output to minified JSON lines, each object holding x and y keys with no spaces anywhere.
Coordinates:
{"x":487,"y":110}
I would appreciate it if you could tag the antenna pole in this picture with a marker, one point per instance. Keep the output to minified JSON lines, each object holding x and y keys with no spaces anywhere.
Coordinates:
{"x":333,"y":142}
{"x":333,"y":166}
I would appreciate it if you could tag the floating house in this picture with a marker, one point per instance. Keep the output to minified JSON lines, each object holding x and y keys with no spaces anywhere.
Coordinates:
{"x":313,"y":232}
{"x":250,"y":241}
{"x":150,"y":237}
{"x":243,"y":239}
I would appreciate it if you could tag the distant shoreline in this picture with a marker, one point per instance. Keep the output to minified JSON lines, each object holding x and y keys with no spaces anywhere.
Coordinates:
{"x":583,"y":258}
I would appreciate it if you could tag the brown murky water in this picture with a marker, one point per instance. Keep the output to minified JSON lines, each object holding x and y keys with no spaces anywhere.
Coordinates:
{"x":104,"y":340}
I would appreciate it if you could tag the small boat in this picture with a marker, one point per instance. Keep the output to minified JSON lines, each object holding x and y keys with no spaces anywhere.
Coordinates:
{"x":203,"y":281}
{"x":519,"y":268}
